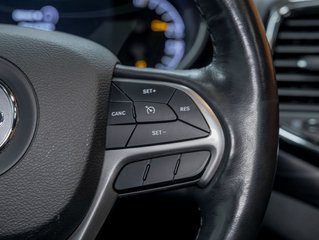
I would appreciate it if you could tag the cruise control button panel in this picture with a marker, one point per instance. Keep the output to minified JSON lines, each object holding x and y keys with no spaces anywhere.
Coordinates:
{"x":145,"y":114}
{"x":160,"y":136}
{"x":162,"y":171}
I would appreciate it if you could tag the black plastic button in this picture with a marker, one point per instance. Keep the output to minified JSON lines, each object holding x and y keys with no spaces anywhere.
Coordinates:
{"x":118,"y":136}
{"x":140,"y":92}
{"x":153,"y":112}
{"x":187,"y":110}
{"x":121,"y":113}
{"x":161,"y":170}
{"x":149,"y":134}
{"x":131,"y":176}
{"x":117,"y":95}
{"x":192,"y":165}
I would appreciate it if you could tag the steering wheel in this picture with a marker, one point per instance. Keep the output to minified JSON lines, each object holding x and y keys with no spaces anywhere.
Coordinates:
{"x":69,"y":150}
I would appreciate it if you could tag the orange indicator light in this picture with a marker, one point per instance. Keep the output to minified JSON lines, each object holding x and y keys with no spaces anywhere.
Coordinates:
{"x":141,"y":64}
{"x":159,"y":26}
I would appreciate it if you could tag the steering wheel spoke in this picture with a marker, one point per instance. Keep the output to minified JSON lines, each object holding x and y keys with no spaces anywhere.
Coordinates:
{"x":161,"y":135}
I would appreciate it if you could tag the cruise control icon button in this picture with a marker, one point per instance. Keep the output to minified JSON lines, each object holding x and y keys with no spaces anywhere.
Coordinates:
{"x":150,"y":110}
{"x":150,"y":134}
{"x":153,"y":112}
{"x":121,"y":113}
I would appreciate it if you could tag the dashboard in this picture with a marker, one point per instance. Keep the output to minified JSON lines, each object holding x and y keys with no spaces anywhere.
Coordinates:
{"x":142,"y":33}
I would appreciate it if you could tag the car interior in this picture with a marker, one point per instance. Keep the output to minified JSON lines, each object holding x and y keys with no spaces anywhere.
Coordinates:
{"x":159,"y":119}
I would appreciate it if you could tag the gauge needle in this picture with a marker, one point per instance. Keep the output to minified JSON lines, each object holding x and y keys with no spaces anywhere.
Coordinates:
{"x":159,"y":26}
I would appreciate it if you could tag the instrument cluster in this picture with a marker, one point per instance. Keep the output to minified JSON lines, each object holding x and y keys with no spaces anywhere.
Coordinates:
{"x":166,"y":34}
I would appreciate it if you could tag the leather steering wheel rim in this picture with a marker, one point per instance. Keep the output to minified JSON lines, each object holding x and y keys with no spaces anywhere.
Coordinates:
{"x":251,"y":173}
{"x":234,"y":203}
{"x":50,"y":191}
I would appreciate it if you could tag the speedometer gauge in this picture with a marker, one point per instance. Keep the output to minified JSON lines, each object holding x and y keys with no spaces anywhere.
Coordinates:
{"x":158,"y":38}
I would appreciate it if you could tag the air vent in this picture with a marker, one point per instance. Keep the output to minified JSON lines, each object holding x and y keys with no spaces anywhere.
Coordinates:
{"x":293,"y":31}
{"x":296,"y":55}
